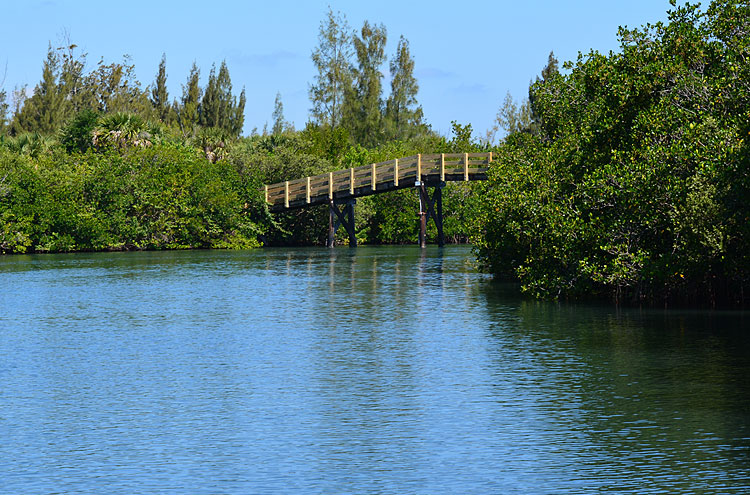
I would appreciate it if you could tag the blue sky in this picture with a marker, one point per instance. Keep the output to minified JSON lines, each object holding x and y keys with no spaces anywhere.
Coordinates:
{"x":468,"y":53}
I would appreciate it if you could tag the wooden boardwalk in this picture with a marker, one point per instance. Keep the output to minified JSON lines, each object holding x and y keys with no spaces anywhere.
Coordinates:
{"x":377,"y":178}
{"x":341,"y":188}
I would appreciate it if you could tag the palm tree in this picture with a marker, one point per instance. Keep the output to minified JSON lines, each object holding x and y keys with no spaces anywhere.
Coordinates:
{"x":123,"y":130}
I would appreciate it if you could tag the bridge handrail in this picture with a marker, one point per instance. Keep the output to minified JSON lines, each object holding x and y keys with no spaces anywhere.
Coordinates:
{"x":422,"y":167}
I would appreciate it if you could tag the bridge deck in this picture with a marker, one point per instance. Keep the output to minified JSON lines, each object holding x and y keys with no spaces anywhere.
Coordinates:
{"x":377,"y":178}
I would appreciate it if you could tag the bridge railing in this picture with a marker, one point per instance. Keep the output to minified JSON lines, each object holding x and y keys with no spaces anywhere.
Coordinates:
{"x":378,"y":177}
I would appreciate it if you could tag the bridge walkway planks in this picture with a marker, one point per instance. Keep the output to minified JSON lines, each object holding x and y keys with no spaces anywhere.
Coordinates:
{"x":352,"y":183}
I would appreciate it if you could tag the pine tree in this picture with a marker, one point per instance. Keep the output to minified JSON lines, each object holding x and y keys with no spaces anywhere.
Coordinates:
{"x":523,"y":118}
{"x":238,"y":118}
{"x":115,"y":89}
{"x":363,"y":113}
{"x":3,"y":111}
{"x":208,"y":110}
{"x":73,"y":79}
{"x":218,"y":108}
{"x":279,"y":124}
{"x":403,"y":114}
{"x":513,"y":118}
{"x":227,"y":102}
{"x":331,"y":59}
{"x":548,"y":72}
{"x":47,"y":109}
{"x":187,"y":108}
{"x":551,"y":69}
{"x":159,"y":93}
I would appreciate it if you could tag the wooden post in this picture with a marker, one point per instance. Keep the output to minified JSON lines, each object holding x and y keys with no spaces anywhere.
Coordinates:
{"x":395,"y":173}
{"x":372,"y":183}
{"x":266,"y":188}
{"x":422,"y":216}
{"x":489,"y":158}
{"x":351,"y":181}
{"x":350,"y":227}
{"x":331,"y":229}
{"x":419,"y":167}
{"x":330,"y":186}
{"x":442,"y":167}
{"x":439,"y":214}
{"x":466,"y":166}
{"x":308,"y":190}
{"x":286,"y":194}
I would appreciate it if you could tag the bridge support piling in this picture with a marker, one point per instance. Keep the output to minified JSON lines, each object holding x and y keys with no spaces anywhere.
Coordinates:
{"x":427,"y":210}
{"x":423,"y":198}
{"x":337,"y":218}
{"x":439,"y":218}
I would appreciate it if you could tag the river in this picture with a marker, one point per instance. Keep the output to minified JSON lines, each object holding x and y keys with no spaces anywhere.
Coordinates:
{"x":383,"y":370}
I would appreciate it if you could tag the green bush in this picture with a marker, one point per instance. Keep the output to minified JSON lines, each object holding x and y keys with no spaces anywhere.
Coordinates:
{"x":162,"y":197}
{"x":637,"y":186}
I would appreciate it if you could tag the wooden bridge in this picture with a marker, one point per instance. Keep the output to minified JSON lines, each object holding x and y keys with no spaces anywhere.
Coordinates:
{"x":341,"y":188}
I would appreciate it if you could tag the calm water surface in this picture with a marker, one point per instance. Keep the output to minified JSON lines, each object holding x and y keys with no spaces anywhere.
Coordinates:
{"x":375,"y":370}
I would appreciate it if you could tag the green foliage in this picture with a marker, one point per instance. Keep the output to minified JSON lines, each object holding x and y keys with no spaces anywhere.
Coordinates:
{"x":30,"y":144}
{"x":334,"y":77}
{"x":123,"y":130}
{"x":3,"y":111}
{"x":187,"y":109}
{"x":327,"y":142}
{"x":634,"y":186}
{"x":213,"y":141}
{"x":163,"y":197}
{"x":362,"y":113}
{"x":219,"y":108}
{"x":280,"y":125}
{"x":514,"y":118}
{"x":275,"y":158}
{"x":114,"y":88}
{"x":403,"y":116}
{"x":159,"y":93}
{"x":47,"y":109}
{"x":78,"y":134}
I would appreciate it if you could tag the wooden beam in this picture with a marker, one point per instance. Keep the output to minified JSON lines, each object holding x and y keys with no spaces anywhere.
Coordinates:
{"x":442,"y":167}
{"x":330,"y":185}
{"x":331,"y":227}
{"x":286,"y":194}
{"x":489,"y":158}
{"x":438,"y":201}
{"x":351,"y":181}
{"x":266,"y":188}
{"x":419,"y":167}
{"x":395,"y":173}
{"x":373,"y":179}
{"x":466,"y":166}
{"x":308,"y":190}
{"x":337,"y":218}
{"x":422,"y":216}
{"x":427,"y":210}
{"x":350,"y":229}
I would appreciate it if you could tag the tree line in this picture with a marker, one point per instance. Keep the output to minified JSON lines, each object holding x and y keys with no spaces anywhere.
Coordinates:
{"x":628,"y":175}
{"x":93,"y":160}
{"x":346,"y":97}
{"x":66,"y":89}
{"x":347,"y":92}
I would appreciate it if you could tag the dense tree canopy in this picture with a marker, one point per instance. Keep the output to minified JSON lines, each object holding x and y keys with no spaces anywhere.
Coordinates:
{"x":637,"y":184}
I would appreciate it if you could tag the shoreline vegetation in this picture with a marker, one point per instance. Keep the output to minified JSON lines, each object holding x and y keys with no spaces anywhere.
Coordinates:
{"x":623,"y":176}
